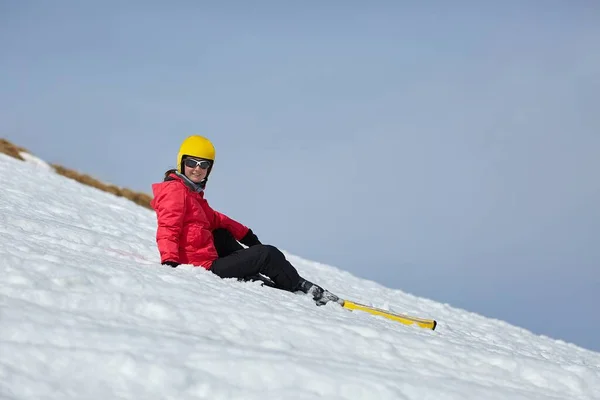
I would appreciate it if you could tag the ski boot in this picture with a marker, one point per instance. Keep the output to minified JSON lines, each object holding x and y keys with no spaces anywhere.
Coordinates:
{"x":320,"y":295}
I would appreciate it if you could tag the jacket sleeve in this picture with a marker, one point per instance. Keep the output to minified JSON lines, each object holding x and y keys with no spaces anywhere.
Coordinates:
{"x":220,"y":220}
{"x":170,"y":211}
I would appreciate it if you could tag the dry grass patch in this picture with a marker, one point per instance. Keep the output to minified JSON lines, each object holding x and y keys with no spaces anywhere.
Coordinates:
{"x":142,"y":199}
{"x":139,"y":198}
{"x":10,"y":149}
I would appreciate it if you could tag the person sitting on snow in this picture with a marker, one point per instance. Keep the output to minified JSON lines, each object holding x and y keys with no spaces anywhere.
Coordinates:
{"x":191,"y":232}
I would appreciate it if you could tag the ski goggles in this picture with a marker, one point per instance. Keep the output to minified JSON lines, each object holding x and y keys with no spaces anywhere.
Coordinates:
{"x":193,"y":163}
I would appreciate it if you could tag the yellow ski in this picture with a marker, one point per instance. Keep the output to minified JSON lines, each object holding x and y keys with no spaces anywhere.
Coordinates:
{"x":405,"y":319}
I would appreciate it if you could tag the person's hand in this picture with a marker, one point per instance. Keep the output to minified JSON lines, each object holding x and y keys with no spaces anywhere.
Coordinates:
{"x":172,"y":264}
{"x":250,"y":239}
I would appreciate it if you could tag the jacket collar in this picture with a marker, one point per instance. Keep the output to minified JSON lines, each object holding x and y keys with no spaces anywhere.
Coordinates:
{"x":194,"y":187}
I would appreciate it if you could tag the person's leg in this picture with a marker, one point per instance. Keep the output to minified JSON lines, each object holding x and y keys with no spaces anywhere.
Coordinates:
{"x":259,"y":259}
{"x":225,"y":243}
{"x":269,"y":261}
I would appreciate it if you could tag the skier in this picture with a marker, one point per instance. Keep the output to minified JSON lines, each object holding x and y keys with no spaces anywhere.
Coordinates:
{"x":191,"y":232}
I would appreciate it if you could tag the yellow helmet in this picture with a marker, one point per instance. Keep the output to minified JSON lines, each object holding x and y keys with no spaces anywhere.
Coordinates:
{"x":195,"y":146}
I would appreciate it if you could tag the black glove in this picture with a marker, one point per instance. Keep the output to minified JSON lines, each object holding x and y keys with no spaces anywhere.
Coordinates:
{"x":170,"y":263}
{"x":250,"y":239}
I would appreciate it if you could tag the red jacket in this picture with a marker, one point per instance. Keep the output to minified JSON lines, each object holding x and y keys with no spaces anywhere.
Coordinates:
{"x":186,"y":222}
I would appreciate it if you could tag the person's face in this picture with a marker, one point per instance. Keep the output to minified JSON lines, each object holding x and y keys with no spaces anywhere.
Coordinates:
{"x":195,"y":169}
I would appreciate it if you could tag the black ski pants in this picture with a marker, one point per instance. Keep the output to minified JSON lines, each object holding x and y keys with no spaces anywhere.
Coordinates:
{"x":236,"y":261}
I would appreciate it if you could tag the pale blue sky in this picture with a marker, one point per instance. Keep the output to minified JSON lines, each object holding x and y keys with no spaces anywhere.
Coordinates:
{"x":449,"y":149}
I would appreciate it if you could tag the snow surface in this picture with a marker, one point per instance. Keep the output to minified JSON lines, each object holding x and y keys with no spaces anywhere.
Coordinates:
{"x":88,"y":312}
{"x":30,"y":158}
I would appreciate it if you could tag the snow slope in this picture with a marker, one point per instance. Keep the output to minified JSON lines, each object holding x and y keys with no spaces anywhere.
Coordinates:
{"x":88,"y":312}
